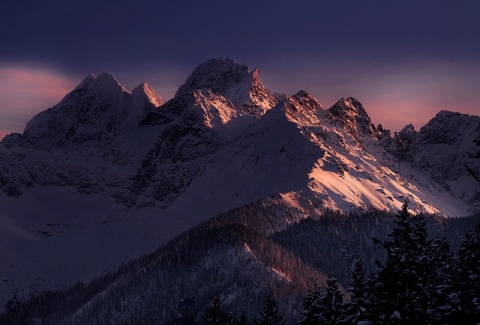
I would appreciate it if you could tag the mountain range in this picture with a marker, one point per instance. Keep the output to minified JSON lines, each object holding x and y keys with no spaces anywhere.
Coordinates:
{"x":107,"y":175}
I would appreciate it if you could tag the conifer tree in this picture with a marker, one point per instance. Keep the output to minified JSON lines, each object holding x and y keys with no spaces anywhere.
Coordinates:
{"x":356,"y":308}
{"x":270,"y":315}
{"x":403,"y":282}
{"x":331,"y":303}
{"x":311,"y":308}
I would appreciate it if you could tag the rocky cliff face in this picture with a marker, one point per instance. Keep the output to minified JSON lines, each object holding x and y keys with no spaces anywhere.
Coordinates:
{"x":235,"y":82}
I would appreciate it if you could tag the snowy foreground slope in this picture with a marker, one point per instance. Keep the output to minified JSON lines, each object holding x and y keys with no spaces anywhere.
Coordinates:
{"x":107,"y":175}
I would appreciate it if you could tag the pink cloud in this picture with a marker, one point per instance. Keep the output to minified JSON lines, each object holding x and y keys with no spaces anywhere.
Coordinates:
{"x":25,"y":91}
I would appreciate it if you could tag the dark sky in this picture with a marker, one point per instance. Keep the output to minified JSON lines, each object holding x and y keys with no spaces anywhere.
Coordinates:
{"x":404,"y":60}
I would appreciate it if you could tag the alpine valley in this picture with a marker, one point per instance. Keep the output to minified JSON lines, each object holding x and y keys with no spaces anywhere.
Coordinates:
{"x":247,"y":192}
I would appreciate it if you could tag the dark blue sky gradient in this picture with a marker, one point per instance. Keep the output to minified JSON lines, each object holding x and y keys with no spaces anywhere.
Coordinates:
{"x":373,"y":50}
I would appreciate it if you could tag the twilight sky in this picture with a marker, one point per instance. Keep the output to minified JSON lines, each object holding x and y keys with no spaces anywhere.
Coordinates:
{"x":404,"y":60}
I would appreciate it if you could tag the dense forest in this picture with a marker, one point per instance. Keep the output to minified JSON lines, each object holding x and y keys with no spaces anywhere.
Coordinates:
{"x":419,"y":281}
{"x":261,"y":262}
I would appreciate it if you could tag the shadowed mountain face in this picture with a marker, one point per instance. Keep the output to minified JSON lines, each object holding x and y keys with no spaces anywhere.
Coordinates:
{"x":146,"y":153}
{"x":122,"y":172}
{"x":97,"y":107}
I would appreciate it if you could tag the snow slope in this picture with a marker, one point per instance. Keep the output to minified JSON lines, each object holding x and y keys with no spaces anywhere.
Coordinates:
{"x":107,"y":175}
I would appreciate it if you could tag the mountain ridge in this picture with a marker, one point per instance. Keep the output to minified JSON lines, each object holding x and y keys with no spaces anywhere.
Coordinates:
{"x":217,"y":103}
{"x":126,"y":166}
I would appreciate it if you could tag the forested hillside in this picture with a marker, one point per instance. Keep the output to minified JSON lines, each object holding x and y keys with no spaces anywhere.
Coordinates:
{"x":241,"y":256}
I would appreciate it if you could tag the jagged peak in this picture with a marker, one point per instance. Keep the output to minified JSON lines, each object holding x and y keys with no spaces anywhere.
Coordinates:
{"x":450,"y":117}
{"x":446,"y":125}
{"x":408,"y":129}
{"x":145,"y":90}
{"x":350,"y":110}
{"x":304,"y":99}
{"x":96,"y":105}
{"x":301,"y":108}
{"x":250,"y":96}
{"x":349,"y":103}
{"x":107,"y":76}
{"x":215,"y":74}
{"x":302,"y":94}
{"x":235,"y":82}
{"x":103,"y":83}
{"x":106,"y":81}
{"x":143,"y":85}
{"x":256,"y":81}
{"x":455,"y":119}
{"x":86,"y":82}
{"x":348,"y":107}
{"x":448,"y":114}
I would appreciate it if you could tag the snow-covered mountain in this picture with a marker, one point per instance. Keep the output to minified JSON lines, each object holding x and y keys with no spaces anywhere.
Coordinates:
{"x":107,"y":175}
